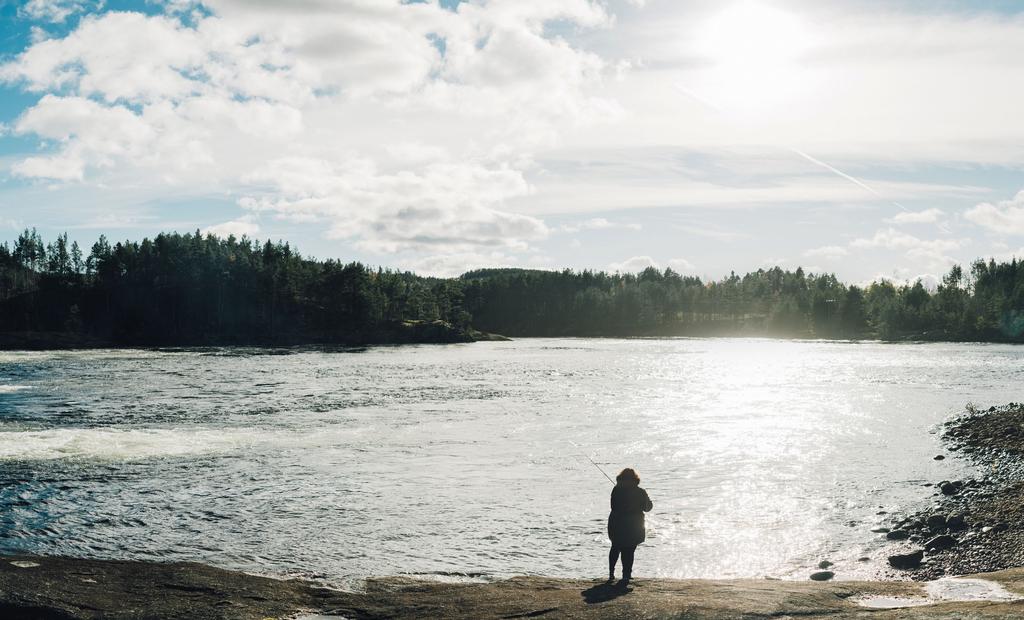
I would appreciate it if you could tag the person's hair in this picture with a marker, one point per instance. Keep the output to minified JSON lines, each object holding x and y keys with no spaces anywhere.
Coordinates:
{"x":628,"y":475}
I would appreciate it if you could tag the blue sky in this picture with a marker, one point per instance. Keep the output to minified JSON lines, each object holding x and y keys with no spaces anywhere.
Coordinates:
{"x":870,"y":139}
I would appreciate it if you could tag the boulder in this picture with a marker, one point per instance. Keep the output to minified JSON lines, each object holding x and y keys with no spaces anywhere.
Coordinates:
{"x":898,"y":535}
{"x":940,"y":542}
{"x":906,"y":561}
{"x":823,"y":575}
{"x":936,"y":523}
{"x":950,"y":488}
{"x":956,"y":522}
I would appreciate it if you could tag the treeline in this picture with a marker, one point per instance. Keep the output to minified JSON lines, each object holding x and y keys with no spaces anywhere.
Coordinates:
{"x":986,"y":304}
{"x":198,"y":289}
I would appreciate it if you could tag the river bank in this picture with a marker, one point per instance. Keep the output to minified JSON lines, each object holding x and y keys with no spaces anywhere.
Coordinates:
{"x":33,"y":587}
{"x":975,"y":525}
{"x":390,"y":333}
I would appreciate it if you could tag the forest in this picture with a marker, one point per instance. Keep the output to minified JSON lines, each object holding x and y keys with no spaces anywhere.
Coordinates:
{"x":195,"y":289}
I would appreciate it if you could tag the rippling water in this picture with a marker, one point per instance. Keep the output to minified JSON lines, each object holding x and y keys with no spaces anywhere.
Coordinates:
{"x":762,"y":457}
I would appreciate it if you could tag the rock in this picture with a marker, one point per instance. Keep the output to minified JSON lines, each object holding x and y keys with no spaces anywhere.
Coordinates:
{"x":880,"y":530}
{"x":864,"y":559}
{"x":940,"y":542}
{"x":906,"y":561}
{"x":950,"y":488}
{"x":956,"y":522}
{"x":823,"y":575}
{"x":936,"y":523}
{"x":898,"y":535}
{"x":986,"y":529}
{"x":1002,"y":526}
{"x":939,"y":457}
{"x":824,"y":564}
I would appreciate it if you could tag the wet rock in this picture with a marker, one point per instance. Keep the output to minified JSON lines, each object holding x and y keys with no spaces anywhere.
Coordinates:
{"x":1002,"y":526}
{"x":824,"y":564}
{"x":898,"y":535}
{"x":823,"y":575}
{"x":939,"y":457}
{"x":936,"y":522}
{"x":956,"y":522}
{"x":940,"y":542}
{"x":906,"y":561}
{"x":881,"y":530}
{"x":950,"y":488}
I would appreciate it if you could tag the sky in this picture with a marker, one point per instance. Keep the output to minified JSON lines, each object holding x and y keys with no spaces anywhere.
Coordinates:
{"x":865,"y":138}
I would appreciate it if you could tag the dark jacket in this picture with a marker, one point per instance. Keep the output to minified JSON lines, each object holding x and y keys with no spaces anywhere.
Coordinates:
{"x":626,"y":521}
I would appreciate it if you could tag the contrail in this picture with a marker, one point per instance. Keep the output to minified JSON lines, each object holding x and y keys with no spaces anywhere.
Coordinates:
{"x":814,"y":160}
{"x":848,"y":177}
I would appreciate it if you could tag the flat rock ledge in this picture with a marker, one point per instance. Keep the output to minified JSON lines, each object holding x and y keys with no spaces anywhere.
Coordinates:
{"x":58,"y":588}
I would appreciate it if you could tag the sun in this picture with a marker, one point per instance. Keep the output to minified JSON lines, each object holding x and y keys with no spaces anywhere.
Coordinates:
{"x":753,"y":33}
{"x":752,"y":53}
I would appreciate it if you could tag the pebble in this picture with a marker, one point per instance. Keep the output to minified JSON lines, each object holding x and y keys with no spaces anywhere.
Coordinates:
{"x":824,"y":564}
{"x":823,"y":575}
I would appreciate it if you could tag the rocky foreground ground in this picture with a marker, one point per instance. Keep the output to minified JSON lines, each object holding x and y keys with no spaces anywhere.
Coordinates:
{"x":61,"y":588}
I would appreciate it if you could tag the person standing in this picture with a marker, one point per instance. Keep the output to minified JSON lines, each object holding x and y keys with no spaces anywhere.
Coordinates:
{"x":626,"y":527}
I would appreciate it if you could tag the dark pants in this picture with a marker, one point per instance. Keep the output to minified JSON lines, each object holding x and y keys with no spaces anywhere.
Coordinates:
{"x":627,"y":560}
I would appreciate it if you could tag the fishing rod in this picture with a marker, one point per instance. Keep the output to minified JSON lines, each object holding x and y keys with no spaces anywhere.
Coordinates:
{"x":576,"y":445}
{"x":600,"y":470}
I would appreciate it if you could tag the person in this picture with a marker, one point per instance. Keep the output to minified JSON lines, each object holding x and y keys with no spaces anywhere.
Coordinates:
{"x":626,"y":527}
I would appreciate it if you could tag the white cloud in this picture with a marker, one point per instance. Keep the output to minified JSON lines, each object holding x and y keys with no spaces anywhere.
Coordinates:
{"x":926,"y":216}
{"x":454,"y":264}
{"x":244,"y":226}
{"x":932,"y":253}
{"x":681,"y":265}
{"x":894,"y":239}
{"x":454,"y":207}
{"x":634,"y":264}
{"x":56,"y":11}
{"x":830,"y":252}
{"x":1004,"y":217}
{"x":346,"y":114}
{"x":599,"y":223}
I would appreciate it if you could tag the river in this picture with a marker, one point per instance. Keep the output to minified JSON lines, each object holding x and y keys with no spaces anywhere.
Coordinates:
{"x":762,"y":457}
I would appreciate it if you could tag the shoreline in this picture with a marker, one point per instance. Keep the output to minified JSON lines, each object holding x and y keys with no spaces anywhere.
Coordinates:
{"x":396,"y":333}
{"x":974,"y":525}
{"x":424,"y":333}
{"x":64,"y":588}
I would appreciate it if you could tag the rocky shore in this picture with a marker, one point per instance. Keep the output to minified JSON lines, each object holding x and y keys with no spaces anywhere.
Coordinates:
{"x":57,"y":588}
{"x":975,"y":525}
